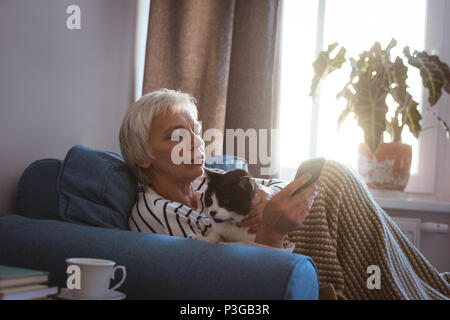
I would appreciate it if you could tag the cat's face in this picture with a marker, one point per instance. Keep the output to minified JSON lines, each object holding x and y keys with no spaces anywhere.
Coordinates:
{"x":228,"y":197}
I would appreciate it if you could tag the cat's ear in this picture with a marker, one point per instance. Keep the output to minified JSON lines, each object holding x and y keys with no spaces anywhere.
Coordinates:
{"x":211,"y":173}
{"x":247,"y":183}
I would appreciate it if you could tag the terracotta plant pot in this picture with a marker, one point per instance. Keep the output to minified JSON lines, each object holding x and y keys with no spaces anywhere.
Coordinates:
{"x":390,"y":167}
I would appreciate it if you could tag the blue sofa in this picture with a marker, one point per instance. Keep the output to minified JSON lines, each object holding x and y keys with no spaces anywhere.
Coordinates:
{"x":78,"y":207}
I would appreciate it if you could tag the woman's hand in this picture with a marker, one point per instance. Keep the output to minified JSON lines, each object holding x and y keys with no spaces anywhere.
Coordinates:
{"x":283,"y":214}
{"x":259,"y":201}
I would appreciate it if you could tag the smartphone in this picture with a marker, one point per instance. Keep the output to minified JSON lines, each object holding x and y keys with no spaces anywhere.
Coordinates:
{"x":314,"y":167}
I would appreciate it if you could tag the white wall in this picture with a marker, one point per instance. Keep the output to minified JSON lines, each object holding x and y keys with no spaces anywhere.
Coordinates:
{"x":61,"y":87}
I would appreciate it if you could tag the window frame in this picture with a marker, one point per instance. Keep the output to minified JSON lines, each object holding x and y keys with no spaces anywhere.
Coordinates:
{"x":140,"y":45}
{"x":425,"y":181}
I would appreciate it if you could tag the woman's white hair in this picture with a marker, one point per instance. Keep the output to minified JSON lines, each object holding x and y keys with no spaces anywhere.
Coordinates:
{"x":134,"y":136}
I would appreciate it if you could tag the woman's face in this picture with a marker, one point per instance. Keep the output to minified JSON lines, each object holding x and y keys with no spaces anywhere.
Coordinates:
{"x":180,"y":131}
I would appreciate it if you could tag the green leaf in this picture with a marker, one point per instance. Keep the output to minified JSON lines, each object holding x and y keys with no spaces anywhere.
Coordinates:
{"x":446,"y":72}
{"x":371,"y":111}
{"x":348,"y":95}
{"x":371,"y":90}
{"x":407,"y":106}
{"x":324,"y":65}
{"x":389,"y":128}
{"x":398,"y":74}
{"x":434,"y":73}
{"x":412,"y":118}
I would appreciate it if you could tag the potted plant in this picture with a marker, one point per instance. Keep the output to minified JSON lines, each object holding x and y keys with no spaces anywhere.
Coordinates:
{"x":374,"y":76}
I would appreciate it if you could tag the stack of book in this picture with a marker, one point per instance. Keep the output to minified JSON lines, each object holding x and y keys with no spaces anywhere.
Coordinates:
{"x":24,"y":284}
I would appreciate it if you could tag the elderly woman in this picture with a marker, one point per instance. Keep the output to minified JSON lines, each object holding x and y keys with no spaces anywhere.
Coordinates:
{"x":335,"y":221}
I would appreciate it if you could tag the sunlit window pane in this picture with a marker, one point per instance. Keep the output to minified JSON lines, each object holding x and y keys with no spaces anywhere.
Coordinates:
{"x":355,"y":24}
{"x":298,"y":45}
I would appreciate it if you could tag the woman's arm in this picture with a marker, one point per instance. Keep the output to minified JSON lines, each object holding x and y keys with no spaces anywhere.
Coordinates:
{"x":283,"y":213}
{"x":266,"y":189}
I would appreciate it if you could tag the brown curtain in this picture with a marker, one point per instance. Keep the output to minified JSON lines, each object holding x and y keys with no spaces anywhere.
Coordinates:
{"x":224,"y":53}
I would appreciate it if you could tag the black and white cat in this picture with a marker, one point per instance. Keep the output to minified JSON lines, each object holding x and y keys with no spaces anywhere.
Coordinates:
{"x":228,"y":201}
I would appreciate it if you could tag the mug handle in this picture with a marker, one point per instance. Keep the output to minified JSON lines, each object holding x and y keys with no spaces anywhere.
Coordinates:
{"x":124,"y":275}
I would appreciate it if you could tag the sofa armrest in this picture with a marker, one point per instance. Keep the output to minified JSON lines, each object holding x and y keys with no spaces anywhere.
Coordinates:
{"x":159,"y":266}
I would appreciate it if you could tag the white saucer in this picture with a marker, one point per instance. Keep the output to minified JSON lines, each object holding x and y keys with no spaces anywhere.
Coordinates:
{"x":111,"y":295}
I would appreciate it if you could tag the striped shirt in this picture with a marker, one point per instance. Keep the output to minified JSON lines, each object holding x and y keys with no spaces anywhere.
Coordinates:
{"x":154,"y":214}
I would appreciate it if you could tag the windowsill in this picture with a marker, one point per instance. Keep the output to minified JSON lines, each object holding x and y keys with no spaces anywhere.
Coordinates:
{"x":400,"y":201}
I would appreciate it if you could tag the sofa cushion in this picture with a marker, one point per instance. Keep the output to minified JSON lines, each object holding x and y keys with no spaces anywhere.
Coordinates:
{"x":37,"y":195}
{"x":96,"y":188}
{"x":90,"y":187}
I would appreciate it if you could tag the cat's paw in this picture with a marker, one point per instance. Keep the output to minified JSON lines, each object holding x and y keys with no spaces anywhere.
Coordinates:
{"x":195,"y":237}
{"x":211,"y":237}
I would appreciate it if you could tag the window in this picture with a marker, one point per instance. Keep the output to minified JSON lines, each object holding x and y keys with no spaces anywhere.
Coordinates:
{"x":140,"y":42}
{"x":309,"y":129}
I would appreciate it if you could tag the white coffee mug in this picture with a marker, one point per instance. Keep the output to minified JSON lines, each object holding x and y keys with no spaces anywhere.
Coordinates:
{"x":95,"y":277}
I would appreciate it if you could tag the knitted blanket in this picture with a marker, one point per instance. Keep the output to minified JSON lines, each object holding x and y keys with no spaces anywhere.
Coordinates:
{"x":352,"y":241}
